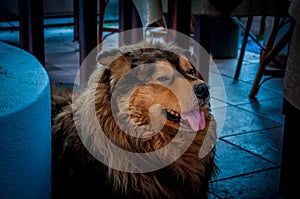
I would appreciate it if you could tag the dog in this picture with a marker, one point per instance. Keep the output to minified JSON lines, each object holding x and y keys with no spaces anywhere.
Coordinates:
{"x":142,"y":128}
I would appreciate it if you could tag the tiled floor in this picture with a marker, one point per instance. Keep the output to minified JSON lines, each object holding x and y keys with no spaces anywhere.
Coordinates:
{"x":249,"y":145}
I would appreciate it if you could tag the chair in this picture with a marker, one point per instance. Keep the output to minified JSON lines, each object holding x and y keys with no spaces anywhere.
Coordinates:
{"x":269,"y":52}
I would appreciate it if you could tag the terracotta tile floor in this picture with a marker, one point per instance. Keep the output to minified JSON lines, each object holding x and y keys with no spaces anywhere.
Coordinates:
{"x":249,"y":144}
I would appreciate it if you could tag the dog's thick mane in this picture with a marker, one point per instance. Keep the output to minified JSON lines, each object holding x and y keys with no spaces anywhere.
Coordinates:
{"x":187,"y":176}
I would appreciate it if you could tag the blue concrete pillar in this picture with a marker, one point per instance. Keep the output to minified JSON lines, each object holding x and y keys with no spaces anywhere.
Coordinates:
{"x":25,"y":126}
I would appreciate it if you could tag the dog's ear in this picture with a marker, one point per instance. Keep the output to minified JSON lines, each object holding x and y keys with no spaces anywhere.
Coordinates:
{"x":107,"y":57}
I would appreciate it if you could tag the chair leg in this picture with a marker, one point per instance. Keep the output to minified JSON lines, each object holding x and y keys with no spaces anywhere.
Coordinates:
{"x":102,"y":6}
{"x":75,"y":14}
{"x":243,"y":49}
{"x":269,"y":54}
{"x":263,"y":64}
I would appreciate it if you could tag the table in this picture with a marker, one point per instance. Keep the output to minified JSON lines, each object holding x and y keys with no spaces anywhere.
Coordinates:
{"x":179,"y":12}
{"x":179,"y":16}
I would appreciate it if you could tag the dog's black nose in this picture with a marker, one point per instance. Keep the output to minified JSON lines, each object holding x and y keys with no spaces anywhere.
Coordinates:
{"x":201,"y":90}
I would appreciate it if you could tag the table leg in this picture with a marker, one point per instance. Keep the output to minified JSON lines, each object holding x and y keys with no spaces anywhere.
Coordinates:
{"x":179,"y":19}
{"x":87,"y":37}
{"x":202,"y":34}
{"x":129,"y":20}
{"x":31,"y":18}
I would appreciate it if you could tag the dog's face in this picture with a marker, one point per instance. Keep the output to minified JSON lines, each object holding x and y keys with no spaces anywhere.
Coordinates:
{"x":158,"y":89}
{"x":157,"y":134}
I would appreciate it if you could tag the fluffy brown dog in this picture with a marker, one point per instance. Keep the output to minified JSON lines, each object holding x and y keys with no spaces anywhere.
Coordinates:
{"x":143,"y":99}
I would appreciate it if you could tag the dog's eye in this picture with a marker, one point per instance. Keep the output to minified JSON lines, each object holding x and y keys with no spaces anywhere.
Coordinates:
{"x":163,"y":79}
{"x":191,"y":71}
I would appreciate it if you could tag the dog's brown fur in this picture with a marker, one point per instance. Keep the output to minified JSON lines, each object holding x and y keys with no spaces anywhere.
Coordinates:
{"x":76,"y":173}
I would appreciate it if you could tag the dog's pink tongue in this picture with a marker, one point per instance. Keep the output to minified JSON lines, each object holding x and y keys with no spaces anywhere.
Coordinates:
{"x":195,"y":118}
